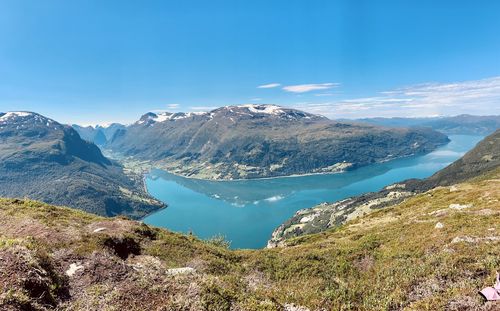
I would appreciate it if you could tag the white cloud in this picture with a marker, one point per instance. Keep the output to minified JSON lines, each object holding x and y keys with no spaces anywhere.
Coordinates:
{"x":324,"y":94}
{"x":302,"y":88}
{"x":202,"y":108}
{"x":268,"y":86}
{"x":256,"y":99}
{"x":480,"y":97}
{"x":173,"y":106}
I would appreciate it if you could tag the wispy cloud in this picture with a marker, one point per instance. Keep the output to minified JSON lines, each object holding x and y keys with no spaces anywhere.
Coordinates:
{"x":479,"y":97}
{"x":324,"y":94}
{"x":202,"y":108}
{"x":302,"y":88}
{"x":256,"y":99}
{"x":169,"y":108}
{"x":268,"y":86}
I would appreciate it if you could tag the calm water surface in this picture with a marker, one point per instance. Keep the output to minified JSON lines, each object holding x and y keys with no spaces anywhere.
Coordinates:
{"x":247,"y":212}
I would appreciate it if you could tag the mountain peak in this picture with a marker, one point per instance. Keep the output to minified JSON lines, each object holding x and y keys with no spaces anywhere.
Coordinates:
{"x":151,"y":117}
{"x":232,"y":112}
{"x":267,"y":110}
{"x":25,"y":120}
{"x":11,"y":116}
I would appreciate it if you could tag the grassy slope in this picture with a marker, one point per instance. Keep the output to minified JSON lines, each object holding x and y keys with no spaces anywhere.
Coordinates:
{"x":391,"y":259}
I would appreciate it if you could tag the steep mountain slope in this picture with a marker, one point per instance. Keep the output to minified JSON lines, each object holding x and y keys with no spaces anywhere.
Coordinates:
{"x":422,"y":254}
{"x":462,"y":124}
{"x":44,"y":160}
{"x":253,"y":141}
{"x":99,"y":135}
{"x":480,"y":160}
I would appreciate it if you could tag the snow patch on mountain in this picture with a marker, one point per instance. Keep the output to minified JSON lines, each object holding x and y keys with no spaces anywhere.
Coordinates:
{"x":14,"y":114}
{"x":24,"y":117}
{"x":267,"y":109}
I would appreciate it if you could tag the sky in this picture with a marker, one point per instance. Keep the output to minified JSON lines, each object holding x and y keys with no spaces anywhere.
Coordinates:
{"x":90,"y":61}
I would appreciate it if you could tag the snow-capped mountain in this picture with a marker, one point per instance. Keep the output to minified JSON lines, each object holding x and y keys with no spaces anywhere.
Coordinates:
{"x":233,"y":113}
{"x":44,"y":160}
{"x":251,"y":141}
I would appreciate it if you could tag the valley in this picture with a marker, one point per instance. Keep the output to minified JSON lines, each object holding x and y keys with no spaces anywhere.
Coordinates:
{"x":247,"y":211}
{"x":249,"y":155}
{"x":424,"y":253}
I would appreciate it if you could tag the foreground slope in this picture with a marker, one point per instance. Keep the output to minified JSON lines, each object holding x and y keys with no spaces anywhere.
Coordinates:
{"x":422,"y":254}
{"x":253,"y":141}
{"x":44,"y":160}
{"x":484,"y":157}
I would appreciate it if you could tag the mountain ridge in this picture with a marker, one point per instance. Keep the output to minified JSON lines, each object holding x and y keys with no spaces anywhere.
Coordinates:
{"x":464,"y":124}
{"x":254,"y":141}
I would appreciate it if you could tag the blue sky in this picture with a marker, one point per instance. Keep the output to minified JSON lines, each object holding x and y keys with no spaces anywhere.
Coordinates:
{"x":104,"y":61}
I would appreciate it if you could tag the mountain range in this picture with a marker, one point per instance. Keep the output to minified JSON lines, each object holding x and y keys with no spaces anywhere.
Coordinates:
{"x":98,"y":134}
{"x":255,"y":141}
{"x":44,"y":160}
{"x":461,"y":124}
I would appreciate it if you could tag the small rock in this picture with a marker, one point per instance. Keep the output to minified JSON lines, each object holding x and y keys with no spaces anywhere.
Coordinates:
{"x":439,"y":225}
{"x":469,"y":239}
{"x":439,"y":213}
{"x":99,"y":230}
{"x":292,"y":307}
{"x":177,"y":271}
{"x":453,"y":188}
{"x":491,"y":229}
{"x":460,"y":206}
{"x":73,"y":268}
{"x":459,"y":239}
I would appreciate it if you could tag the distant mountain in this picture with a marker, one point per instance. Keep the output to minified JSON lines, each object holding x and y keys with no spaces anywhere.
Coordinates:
{"x":462,"y":124}
{"x":253,"y":141}
{"x":99,"y":135}
{"x":44,"y":160}
{"x":485,"y":157}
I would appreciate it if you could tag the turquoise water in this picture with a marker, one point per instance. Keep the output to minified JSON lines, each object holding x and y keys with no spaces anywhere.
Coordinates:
{"x":247,"y":212}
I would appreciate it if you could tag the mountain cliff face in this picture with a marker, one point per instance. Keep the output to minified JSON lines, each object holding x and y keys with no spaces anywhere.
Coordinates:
{"x":98,"y":135}
{"x":253,"y":141}
{"x":433,"y":251}
{"x":44,"y":160}
{"x":483,"y":158}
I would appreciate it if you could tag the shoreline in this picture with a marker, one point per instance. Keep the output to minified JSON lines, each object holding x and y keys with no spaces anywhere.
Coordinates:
{"x":145,"y":174}
{"x":146,"y":169}
{"x":248,"y":179}
{"x":292,"y":175}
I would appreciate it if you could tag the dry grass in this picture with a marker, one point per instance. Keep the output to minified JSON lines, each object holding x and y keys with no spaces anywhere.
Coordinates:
{"x":391,"y":259}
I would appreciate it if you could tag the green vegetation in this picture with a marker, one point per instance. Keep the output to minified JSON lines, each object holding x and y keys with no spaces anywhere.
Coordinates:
{"x":483,"y":158}
{"x":394,"y":258}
